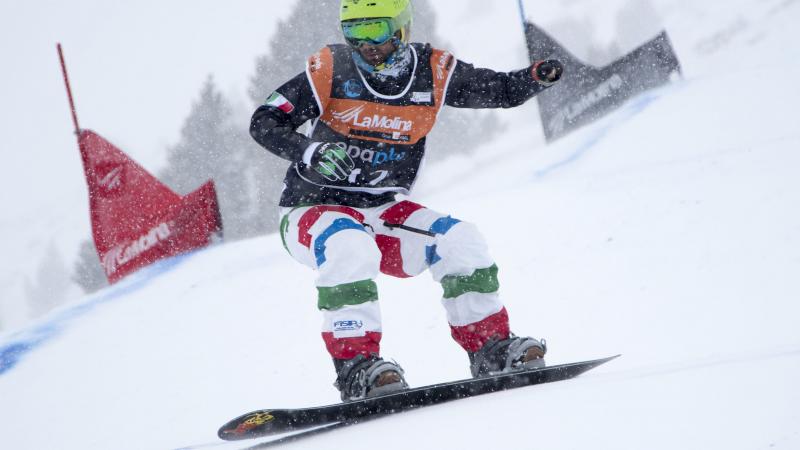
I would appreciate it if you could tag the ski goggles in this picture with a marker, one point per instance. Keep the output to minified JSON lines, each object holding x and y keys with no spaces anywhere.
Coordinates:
{"x":372,"y":32}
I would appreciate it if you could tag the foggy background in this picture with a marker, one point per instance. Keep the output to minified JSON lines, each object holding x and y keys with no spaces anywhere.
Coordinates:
{"x":174,"y":84}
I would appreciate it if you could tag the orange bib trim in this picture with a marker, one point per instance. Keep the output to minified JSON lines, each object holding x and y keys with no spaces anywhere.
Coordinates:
{"x":374,"y":121}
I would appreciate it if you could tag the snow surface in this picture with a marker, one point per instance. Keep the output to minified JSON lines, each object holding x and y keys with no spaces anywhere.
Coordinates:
{"x":668,"y":232}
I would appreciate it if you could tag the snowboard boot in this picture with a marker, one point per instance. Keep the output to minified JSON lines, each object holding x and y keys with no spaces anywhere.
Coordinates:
{"x":363,"y":377}
{"x":508,"y":355}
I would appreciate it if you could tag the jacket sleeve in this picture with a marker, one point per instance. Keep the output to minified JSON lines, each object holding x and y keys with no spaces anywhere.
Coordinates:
{"x":476,"y":88}
{"x":274,"y":125}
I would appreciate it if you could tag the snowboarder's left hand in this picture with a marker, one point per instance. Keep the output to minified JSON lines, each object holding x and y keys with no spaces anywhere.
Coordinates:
{"x":547,"y":72}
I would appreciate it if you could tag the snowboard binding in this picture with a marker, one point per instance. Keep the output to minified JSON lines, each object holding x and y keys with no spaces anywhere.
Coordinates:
{"x":508,"y":355}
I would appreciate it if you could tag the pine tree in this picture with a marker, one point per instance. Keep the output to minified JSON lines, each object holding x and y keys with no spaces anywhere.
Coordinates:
{"x":87,"y":272}
{"x":213,"y":146}
{"x":48,"y":289}
{"x":198,"y":155}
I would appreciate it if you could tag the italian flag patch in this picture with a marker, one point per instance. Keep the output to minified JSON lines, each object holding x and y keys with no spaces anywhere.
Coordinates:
{"x":280,"y":102}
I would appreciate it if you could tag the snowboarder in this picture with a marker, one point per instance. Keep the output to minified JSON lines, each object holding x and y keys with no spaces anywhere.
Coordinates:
{"x":371,"y":103}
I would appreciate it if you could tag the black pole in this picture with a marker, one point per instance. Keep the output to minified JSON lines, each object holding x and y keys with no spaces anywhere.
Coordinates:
{"x":392,"y":226}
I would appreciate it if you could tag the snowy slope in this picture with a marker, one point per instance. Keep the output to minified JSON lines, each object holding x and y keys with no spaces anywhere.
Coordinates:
{"x":668,"y":232}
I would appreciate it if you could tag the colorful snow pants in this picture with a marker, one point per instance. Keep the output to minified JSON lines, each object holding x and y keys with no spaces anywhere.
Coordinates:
{"x":348,"y":247}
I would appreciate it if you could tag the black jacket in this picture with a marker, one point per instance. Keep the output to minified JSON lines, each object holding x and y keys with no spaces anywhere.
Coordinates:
{"x":275,"y":128}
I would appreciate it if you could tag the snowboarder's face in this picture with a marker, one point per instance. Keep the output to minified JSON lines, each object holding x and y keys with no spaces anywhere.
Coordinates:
{"x":376,"y":55}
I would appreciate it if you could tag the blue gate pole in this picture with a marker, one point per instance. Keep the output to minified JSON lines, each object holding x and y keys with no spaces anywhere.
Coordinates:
{"x":522,"y":16}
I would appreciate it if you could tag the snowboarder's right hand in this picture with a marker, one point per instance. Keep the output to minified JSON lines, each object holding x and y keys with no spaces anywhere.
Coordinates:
{"x":332,"y":161}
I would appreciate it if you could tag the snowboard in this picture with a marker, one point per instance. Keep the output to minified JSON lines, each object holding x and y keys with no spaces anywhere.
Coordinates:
{"x":267,"y":422}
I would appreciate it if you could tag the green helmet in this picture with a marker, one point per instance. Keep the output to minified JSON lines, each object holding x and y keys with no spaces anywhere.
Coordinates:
{"x":380,"y":17}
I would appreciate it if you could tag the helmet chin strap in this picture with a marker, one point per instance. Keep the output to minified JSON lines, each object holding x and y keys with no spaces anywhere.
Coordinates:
{"x":399,"y":56}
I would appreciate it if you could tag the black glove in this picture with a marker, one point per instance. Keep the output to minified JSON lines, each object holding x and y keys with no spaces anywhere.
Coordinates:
{"x":547,"y":72}
{"x":332,"y":161}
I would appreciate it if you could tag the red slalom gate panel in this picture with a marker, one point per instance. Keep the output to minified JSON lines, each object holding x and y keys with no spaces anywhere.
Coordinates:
{"x":136,"y":219}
